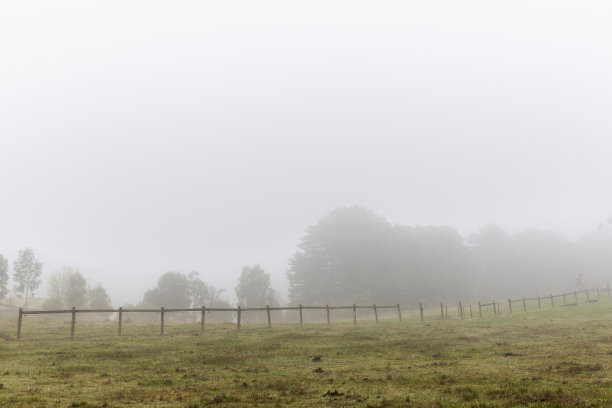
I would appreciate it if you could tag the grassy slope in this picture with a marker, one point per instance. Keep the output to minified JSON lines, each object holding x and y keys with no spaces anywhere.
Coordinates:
{"x":559,"y":357}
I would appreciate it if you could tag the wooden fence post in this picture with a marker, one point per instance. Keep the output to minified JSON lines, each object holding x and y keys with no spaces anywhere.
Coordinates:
{"x":73,"y":322}
{"x":162,"y":321}
{"x":442,"y":310}
{"x":238,"y":318}
{"x":328,"y":317}
{"x":586,"y":291}
{"x":479,"y":310}
{"x":459,"y":310}
{"x":203,"y":318}
{"x":494,"y":308}
{"x":524,"y":305}
{"x":120,"y":319}
{"x":539,"y":302}
{"x":421,"y":311}
{"x":354,"y":315}
{"x":269,"y":317}
{"x":19,"y":320}
{"x":375,"y":314}
{"x":471,"y":317}
{"x":301,"y":320}
{"x":510,"y":306}
{"x":576,"y":298}
{"x":552,"y":301}
{"x":399,"y":312}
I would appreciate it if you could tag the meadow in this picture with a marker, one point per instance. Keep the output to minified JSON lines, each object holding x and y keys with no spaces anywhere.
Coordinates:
{"x":542,"y":358}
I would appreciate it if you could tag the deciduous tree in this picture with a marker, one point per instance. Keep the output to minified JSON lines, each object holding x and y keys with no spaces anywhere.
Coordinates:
{"x":353,"y":255}
{"x":254,"y":288}
{"x":177,"y":290}
{"x":98,"y":298}
{"x":67,"y":286}
{"x":27,"y":271}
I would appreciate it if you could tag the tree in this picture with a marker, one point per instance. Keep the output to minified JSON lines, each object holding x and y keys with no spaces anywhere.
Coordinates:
{"x":68,"y":287}
{"x":198,"y":290}
{"x":27,"y":273}
{"x":98,"y":298}
{"x":172,"y":291}
{"x":254,"y":289}
{"x":428,"y":263}
{"x":546,"y":262}
{"x":534,"y":261}
{"x":493,"y":262}
{"x":355,"y":256}
{"x":4,"y":275}
{"x":177,"y":290}
{"x":340,"y":258}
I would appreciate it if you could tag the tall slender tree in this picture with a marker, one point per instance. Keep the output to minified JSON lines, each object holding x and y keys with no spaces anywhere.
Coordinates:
{"x":27,"y":273}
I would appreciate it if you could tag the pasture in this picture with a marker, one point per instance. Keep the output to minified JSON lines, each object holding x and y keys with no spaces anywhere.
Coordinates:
{"x":545,"y":358}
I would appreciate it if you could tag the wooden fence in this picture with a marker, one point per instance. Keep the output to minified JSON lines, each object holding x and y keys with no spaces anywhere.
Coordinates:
{"x":569,"y":299}
{"x":463,"y":310}
{"x":203,"y":310}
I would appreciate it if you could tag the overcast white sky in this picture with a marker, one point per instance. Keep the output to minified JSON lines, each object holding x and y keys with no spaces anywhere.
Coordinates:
{"x":138,"y":137}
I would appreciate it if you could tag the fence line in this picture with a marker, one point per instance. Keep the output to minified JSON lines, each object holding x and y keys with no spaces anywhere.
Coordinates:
{"x":238,"y":310}
{"x":461,"y":309}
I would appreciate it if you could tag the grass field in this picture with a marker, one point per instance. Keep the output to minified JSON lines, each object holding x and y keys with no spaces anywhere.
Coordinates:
{"x":547,"y":358}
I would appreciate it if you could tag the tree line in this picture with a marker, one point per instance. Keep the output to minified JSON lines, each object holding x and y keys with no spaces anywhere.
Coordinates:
{"x":355,"y":256}
{"x":352,"y":255}
{"x":68,"y":288}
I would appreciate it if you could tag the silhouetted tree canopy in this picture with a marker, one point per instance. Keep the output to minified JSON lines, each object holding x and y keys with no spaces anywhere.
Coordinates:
{"x":177,"y":290}
{"x":537,"y":262}
{"x":254,"y":290}
{"x":98,"y":298}
{"x":68,"y":288}
{"x":353,"y":255}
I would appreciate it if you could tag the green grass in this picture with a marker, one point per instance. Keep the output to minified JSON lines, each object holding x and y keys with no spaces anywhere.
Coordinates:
{"x":547,"y":358}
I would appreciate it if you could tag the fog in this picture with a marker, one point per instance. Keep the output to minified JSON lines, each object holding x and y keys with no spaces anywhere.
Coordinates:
{"x":143,"y":137}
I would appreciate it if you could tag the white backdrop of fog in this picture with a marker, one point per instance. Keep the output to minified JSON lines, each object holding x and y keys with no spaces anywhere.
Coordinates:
{"x":145,"y":136}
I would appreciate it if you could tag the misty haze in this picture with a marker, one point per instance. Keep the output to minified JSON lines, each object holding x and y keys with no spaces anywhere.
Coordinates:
{"x":450,"y":162}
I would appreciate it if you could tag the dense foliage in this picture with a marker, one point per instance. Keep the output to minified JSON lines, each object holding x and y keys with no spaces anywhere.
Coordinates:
{"x":354,"y":256}
{"x":177,"y":290}
{"x":68,"y":288}
{"x":254,"y":290}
